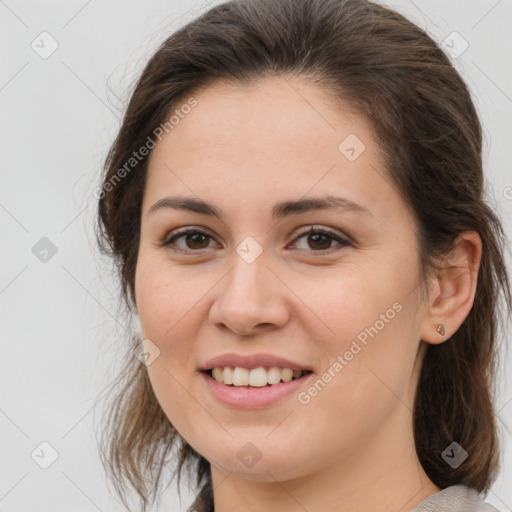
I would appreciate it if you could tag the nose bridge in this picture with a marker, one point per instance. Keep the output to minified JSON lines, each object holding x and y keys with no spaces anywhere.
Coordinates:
{"x":249,"y":295}
{"x":249,"y":276}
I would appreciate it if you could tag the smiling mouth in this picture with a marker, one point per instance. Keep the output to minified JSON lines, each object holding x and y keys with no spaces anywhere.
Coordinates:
{"x":297,"y":375}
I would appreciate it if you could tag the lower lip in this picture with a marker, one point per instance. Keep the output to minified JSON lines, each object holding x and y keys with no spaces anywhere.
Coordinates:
{"x":251,"y":398}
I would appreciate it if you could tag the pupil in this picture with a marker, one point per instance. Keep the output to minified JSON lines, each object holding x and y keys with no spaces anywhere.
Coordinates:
{"x":321,"y":235}
{"x":194,"y":237}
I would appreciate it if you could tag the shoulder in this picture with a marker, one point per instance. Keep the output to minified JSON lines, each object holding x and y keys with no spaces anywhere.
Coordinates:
{"x":456,"y":498}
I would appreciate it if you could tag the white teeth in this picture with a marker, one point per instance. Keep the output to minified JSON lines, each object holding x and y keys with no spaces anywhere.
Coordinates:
{"x":287,"y":374}
{"x":257,"y":377}
{"x":274,"y":375}
{"x":226,"y":376}
{"x":218,"y":374}
{"x":240,"y":376}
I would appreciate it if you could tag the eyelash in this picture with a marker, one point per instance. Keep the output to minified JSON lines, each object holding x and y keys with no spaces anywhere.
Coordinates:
{"x":306,"y":231}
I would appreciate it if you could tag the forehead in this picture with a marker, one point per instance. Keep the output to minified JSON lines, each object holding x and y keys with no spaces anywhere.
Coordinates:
{"x":276,"y":137}
{"x":272,"y":116}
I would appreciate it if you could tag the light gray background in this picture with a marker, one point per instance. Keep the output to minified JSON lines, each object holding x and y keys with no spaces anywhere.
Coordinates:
{"x":61,"y":328}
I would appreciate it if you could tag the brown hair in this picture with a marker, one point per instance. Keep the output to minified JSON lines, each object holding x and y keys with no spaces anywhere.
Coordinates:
{"x":391,"y":72}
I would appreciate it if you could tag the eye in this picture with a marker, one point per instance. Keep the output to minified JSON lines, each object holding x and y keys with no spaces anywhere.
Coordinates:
{"x":194,"y":240}
{"x":319,"y":239}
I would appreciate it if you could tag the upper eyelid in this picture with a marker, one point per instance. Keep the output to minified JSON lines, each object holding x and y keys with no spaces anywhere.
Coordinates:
{"x":297,"y":231}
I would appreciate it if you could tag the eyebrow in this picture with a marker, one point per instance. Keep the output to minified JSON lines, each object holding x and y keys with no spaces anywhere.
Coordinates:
{"x":279,"y":211}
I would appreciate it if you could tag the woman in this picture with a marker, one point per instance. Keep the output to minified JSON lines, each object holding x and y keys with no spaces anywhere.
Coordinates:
{"x":295,"y":203}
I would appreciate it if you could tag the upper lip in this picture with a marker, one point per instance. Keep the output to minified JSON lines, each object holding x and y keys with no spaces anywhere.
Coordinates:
{"x":252,"y":361}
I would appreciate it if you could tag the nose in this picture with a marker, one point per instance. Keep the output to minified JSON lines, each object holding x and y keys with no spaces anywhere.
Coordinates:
{"x":250,"y":299}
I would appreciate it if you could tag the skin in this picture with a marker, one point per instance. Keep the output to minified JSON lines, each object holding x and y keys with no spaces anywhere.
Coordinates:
{"x":245,"y":149}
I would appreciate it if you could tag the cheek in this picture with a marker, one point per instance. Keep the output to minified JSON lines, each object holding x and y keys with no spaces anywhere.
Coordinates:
{"x":162,"y":298}
{"x":170,"y":312}
{"x":167,"y":316}
{"x":355,"y":302}
{"x":368,"y":377}
{"x":374,"y":345}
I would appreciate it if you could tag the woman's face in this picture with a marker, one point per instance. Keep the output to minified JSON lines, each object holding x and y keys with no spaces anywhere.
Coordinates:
{"x":343,"y":305}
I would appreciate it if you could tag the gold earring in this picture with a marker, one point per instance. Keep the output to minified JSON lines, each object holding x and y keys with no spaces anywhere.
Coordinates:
{"x":440,"y":329}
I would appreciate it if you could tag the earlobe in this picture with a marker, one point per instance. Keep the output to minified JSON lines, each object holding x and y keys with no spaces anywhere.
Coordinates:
{"x":453,"y":290}
{"x":439,"y":332}
{"x":440,"y":329}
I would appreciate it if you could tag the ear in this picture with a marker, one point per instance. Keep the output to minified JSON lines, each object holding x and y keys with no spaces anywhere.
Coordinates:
{"x":452,"y":289}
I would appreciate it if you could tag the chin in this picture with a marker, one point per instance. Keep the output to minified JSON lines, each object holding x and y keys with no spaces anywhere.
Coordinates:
{"x":255,"y":462}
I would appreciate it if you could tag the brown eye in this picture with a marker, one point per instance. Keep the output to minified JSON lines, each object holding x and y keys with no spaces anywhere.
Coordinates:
{"x":320,"y":240}
{"x":194,"y":240}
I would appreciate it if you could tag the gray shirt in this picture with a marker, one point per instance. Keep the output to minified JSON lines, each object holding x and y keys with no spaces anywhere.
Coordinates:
{"x":456,"y":498}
